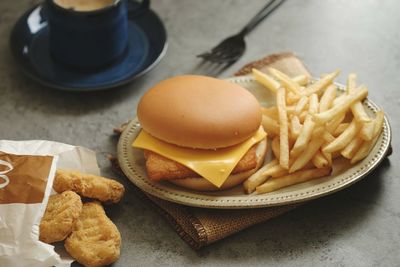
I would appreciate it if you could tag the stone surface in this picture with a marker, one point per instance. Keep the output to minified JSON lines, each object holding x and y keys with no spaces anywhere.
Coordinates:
{"x":355,"y":227}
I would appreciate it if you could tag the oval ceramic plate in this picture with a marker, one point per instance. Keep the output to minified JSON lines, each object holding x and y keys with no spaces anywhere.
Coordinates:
{"x":133,"y":165}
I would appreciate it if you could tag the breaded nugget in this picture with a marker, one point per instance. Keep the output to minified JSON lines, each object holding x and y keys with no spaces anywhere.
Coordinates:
{"x":95,"y":240}
{"x":88,"y":185}
{"x":61,"y":213}
{"x":161,"y":168}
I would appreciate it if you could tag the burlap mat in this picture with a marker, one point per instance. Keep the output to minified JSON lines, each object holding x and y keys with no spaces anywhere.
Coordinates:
{"x":200,"y":227}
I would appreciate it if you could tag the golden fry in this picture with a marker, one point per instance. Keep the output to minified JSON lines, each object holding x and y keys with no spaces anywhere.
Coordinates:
{"x":292,"y":98}
{"x":304,"y":137}
{"x":290,"y":109}
{"x":266,"y":80}
{"x":286,"y":81}
{"x":301,"y":105}
{"x":367,"y":131}
{"x":316,"y":87}
{"x":259,"y":177}
{"x":275,"y":147}
{"x":348,"y":100}
{"x":379,"y":119}
{"x":319,"y":160}
{"x":284,"y":129}
{"x":318,"y":132}
{"x":351,"y":83}
{"x":350,"y":150}
{"x":307,"y":154}
{"x":344,"y":139}
{"x":334,"y":123}
{"x":292,"y":179}
{"x":328,"y":137}
{"x":328,"y":157}
{"x":271,"y":112}
{"x":303,"y":116}
{"x":367,"y":146}
{"x":357,"y":108}
{"x":295,"y":126}
{"x":271,"y":126}
{"x":302,"y":80}
{"x":340,"y":129}
{"x":313,"y":104}
{"x":327,"y":98}
{"x":359,"y":112}
{"x":338,"y":99}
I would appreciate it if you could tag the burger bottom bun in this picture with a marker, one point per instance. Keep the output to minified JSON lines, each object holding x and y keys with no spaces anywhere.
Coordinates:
{"x":201,"y":184}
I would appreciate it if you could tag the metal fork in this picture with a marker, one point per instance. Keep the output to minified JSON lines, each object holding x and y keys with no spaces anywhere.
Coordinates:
{"x":232,"y":48}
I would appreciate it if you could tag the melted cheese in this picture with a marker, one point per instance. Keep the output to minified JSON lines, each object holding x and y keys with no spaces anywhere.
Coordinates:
{"x":213,"y":165}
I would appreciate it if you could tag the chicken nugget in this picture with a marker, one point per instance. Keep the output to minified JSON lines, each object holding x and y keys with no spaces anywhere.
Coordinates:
{"x":95,"y":240}
{"x":61,"y":213}
{"x":88,"y":185}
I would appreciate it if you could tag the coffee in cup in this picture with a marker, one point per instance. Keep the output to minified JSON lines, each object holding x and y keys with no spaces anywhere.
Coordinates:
{"x":84,"y":5}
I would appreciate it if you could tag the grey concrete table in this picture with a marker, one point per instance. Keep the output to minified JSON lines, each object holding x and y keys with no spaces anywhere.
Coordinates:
{"x":359,"y":226}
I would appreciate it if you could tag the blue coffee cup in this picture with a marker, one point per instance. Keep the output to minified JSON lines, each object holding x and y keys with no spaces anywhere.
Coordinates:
{"x":89,"y":39}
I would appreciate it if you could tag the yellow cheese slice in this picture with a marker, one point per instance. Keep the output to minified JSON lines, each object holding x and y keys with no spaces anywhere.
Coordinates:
{"x":213,"y":165}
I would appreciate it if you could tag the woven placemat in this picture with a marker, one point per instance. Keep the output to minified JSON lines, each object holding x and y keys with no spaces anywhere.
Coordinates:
{"x":200,"y":227}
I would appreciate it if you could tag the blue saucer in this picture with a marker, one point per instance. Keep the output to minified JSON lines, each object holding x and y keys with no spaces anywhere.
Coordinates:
{"x":29,"y":46}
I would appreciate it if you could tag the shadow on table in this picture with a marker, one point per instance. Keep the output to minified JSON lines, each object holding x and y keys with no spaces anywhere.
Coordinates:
{"x":309,"y":227}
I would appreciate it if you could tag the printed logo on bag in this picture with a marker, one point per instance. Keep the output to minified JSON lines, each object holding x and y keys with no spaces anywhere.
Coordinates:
{"x":23,"y":178}
{"x":3,"y":173}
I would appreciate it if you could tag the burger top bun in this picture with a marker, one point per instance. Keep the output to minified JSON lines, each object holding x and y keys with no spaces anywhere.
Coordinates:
{"x":199,"y":112}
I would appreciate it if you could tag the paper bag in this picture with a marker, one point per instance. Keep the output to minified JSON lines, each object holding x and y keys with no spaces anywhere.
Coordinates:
{"x":27,"y":170}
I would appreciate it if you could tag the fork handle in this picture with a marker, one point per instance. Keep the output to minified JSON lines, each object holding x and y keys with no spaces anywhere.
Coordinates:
{"x":262,"y":14}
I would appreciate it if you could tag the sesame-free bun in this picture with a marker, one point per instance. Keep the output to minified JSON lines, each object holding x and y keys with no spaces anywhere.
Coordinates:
{"x":199,"y":112}
{"x":201,"y":184}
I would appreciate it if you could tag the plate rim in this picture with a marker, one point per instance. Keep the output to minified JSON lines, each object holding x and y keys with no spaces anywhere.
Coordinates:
{"x":226,"y":202}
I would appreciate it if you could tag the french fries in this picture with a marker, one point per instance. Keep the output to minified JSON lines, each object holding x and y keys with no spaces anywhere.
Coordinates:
{"x":351,"y":149}
{"x":357,"y":108}
{"x":319,"y":160}
{"x":310,"y":126}
{"x":341,"y":128}
{"x":302,"y":80}
{"x":344,"y":139}
{"x":295,"y":127}
{"x":301,"y":105}
{"x":307,"y":155}
{"x":367,"y":146}
{"x":286,"y":81}
{"x":313,"y":104}
{"x":292,"y":98}
{"x":271,"y":126}
{"x":292,"y":179}
{"x":271,"y":112}
{"x":367,"y":131}
{"x":266,"y":80}
{"x":284,"y":129}
{"x":275,"y":146}
{"x":259,"y":177}
{"x":341,"y":107}
{"x":321,"y":83}
{"x":304,"y":137}
{"x":327,"y":98}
